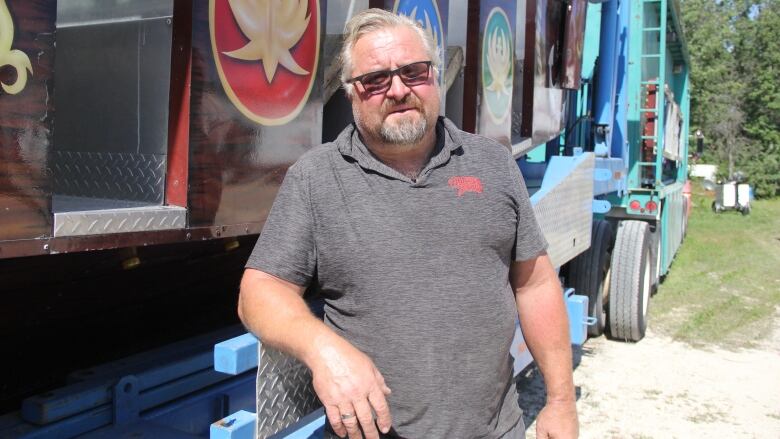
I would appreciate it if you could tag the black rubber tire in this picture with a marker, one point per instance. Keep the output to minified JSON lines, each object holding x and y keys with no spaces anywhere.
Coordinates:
{"x":587,"y":274}
{"x":716,"y":207}
{"x":629,"y":293}
{"x":746,"y":210}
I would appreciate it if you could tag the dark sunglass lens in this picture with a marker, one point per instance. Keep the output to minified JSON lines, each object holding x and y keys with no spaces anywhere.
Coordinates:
{"x":415,"y":73}
{"x":375,"y":81}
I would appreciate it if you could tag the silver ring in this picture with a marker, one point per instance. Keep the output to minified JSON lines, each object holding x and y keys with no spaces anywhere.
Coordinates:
{"x":346,"y":416}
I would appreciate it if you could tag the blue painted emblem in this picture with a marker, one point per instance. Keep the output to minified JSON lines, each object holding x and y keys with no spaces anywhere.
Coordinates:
{"x":425,"y":12}
{"x":497,"y":65}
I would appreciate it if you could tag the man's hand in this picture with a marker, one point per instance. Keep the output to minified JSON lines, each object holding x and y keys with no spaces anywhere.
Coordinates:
{"x":345,"y":379}
{"x":351,"y":388}
{"x":558,"y":420}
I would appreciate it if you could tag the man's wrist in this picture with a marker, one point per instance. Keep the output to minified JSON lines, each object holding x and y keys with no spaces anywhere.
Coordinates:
{"x":561,"y":396}
{"x":323,"y":347}
{"x":571,"y":400}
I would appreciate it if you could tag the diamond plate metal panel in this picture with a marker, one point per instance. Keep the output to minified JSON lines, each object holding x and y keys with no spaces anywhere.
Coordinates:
{"x":124,"y":176}
{"x":139,"y":219}
{"x":284,"y":392}
{"x":563,"y":207}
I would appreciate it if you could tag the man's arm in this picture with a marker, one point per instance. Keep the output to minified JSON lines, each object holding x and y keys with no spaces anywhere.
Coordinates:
{"x":546,"y":331}
{"x":345,"y":379}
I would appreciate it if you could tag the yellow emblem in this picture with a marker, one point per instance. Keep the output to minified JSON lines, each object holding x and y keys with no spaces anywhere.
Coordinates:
{"x":8,"y":57}
{"x":272,"y":28}
{"x":426,"y":26}
{"x":499,"y":60}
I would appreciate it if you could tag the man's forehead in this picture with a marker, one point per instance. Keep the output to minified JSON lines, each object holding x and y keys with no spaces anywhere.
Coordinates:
{"x":388,"y":44}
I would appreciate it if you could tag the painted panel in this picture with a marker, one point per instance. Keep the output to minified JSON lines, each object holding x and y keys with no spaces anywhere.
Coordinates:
{"x":497,"y":69}
{"x":256,"y":103}
{"x":571,"y":59}
{"x":518,"y":85}
{"x":26,"y":117}
{"x":548,"y":115}
{"x":337,"y":113}
{"x":542,"y":105}
{"x":432,"y":16}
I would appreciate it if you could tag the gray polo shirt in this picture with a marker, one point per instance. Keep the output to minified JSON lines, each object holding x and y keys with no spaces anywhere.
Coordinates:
{"x":415,"y":273}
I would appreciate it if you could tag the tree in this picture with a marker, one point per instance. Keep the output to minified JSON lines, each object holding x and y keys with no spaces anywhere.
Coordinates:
{"x":758,"y":53}
{"x":735,"y":76}
{"x":717,"y":89}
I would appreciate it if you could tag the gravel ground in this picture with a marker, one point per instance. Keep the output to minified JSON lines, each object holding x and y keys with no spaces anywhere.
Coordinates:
{"x":661,"y":388}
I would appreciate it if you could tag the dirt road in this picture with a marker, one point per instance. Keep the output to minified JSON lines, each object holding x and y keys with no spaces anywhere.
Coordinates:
{"x":660,"y":388}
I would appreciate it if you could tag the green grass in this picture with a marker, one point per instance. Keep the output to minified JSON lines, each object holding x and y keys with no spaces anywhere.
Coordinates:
{"x":723,"y":288}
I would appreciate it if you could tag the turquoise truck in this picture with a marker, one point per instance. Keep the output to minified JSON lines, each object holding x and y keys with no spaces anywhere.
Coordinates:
{"x":139,"y":159}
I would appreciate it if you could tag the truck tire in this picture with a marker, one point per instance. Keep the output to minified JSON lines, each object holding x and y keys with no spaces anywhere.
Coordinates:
{"x":629,"y":288}
{"x":588,"y":274}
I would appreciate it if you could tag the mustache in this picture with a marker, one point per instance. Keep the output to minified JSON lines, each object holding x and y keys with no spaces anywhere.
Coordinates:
{"x":409,"y":99}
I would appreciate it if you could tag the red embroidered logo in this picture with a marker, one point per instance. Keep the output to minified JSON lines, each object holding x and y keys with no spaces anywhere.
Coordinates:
{"x":466,"y":184}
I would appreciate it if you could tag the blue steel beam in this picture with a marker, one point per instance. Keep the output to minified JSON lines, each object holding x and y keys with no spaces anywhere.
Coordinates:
{"x":236,"y":355}
{"x":619,"y":147}
{"x":605,"y":78}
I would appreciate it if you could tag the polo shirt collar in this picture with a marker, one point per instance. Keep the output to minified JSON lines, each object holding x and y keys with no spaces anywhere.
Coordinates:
{"x":351,"y":145}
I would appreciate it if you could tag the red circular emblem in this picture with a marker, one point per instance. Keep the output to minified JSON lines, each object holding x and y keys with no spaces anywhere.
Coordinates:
{"x":266,"y":53}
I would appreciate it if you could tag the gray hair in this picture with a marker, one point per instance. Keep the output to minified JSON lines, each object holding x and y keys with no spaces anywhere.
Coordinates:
{"x":372,"y":20}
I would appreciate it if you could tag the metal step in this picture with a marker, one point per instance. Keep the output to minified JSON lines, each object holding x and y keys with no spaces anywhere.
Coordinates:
{"x":82,"y":216}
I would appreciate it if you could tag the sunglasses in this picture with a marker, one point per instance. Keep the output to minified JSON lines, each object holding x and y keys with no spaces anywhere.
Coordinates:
{"x":412,"y":74}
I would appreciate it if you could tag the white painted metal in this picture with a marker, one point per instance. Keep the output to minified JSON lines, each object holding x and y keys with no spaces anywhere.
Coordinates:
{"x":743,"y":192}
{"x":615,"y":182}
{"x":564,"y":206}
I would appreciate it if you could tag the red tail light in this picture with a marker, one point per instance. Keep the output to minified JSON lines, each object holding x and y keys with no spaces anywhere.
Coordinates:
{"x":634,"y":205}
{"x":651,"y":206}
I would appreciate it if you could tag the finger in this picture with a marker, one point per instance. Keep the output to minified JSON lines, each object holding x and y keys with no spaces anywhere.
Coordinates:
{"x":386,"y":390}
{"x":382,"y":410}
{"x":366,"y":419}
{"x":334,"y":417}
{"x":350,"y":421}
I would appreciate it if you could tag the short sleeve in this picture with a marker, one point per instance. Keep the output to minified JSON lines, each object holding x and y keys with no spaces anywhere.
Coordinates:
{"x":529,"y":240}
{"x":286,"y":246}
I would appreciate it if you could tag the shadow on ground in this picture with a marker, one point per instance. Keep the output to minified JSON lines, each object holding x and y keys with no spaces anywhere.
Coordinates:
{"x":530,"y":386}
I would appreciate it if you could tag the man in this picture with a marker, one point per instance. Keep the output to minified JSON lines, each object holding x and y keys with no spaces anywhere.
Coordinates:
{"x":422,"y":241}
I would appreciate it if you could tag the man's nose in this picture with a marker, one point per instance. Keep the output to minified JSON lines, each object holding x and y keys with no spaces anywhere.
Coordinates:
{"x":397,"y":88}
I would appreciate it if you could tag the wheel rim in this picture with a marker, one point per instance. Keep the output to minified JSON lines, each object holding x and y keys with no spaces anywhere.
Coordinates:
{"x":605,"y":294}
{"x":658,"y":260}
{"x":646,"y":288}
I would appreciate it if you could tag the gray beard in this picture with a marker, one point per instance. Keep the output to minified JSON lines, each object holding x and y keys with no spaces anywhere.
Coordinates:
{"x":405,"y":133}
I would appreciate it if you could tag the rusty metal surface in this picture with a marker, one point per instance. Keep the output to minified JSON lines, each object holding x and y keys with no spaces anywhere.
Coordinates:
{"x":574,"y":31}
{"x":26,"y":118}
{"x":542,"y":99}
{"x":72,"y":244}
{"x":284,"y":392}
